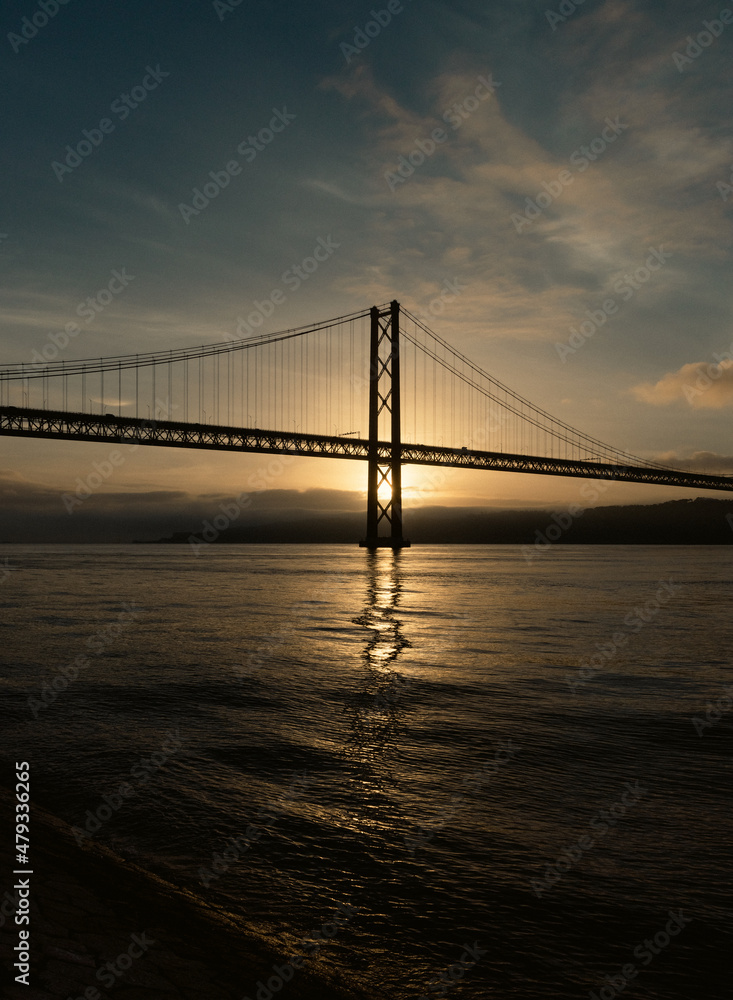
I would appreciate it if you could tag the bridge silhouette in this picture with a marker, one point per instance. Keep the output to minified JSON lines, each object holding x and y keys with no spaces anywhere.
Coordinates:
{"x":380,"y":369}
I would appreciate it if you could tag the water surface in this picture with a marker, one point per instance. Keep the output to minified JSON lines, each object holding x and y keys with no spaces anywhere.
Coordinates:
{"x":290,"y":729}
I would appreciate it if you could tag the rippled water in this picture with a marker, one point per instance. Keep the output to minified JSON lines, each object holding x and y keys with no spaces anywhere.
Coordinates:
{"x":407,"y":734}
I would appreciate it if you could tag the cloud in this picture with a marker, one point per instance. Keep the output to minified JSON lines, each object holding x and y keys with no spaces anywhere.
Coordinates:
{"x":650,"y":189}
{"x":703,"y":386}
{"x":34,"y":512}
{"x":707,"y":462}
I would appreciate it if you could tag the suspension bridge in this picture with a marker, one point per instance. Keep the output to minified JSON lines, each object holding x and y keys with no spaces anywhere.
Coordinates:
{"x":373,"y":386}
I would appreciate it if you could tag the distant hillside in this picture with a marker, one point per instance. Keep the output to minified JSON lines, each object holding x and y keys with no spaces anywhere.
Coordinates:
{"x":677,"y":522}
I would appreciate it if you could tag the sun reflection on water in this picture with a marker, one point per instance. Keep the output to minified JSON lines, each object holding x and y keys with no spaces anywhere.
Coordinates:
{"x":377,"y":707}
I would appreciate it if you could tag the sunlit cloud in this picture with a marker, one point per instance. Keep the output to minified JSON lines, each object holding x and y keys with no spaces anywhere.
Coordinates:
{"x":702,"y":385}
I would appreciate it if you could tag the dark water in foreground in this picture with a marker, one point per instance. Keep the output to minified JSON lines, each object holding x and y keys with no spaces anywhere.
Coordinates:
{"x":402,"y":735}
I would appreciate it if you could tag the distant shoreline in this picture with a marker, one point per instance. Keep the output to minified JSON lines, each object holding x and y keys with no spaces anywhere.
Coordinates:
{"x":701,"y":521}
{"x":676,"y":522}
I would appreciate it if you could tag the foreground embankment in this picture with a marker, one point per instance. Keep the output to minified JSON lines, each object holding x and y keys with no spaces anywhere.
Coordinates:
{"x":100,"y":927}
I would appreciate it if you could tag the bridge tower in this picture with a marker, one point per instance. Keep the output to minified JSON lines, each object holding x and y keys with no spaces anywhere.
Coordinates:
{"x":385,"y":461}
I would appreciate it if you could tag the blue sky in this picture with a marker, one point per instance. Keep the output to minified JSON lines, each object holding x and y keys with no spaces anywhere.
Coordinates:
{"x":540,"y":236}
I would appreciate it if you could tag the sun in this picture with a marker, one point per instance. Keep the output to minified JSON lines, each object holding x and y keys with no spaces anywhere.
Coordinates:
{"x":384,"y":492}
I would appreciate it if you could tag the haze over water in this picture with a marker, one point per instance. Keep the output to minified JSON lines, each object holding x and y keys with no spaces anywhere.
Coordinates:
{"x":410,"y":736}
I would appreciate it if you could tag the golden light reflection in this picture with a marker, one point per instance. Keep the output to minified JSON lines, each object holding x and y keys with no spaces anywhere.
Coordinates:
{"x":377,"y":708}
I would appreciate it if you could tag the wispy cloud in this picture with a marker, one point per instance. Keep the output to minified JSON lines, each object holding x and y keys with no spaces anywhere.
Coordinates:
{"x":651,"y":188}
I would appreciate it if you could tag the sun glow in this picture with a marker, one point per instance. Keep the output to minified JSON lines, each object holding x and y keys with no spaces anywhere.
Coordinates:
{"x":384,"y":492}
{"x":418,"y":482}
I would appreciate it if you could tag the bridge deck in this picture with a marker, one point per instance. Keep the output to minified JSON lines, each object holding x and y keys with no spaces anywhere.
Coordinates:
{"x":23,"y":422}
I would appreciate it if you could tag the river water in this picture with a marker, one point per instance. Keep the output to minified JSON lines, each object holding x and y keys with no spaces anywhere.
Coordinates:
{"x":418,"y":743}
